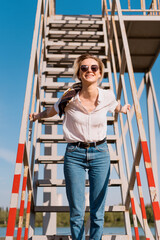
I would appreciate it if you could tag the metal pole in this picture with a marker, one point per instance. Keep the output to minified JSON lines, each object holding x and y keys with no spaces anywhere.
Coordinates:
{"x":144,"y":145}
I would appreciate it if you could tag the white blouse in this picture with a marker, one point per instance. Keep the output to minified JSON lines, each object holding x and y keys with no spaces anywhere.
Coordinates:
{"x":79,"y":125}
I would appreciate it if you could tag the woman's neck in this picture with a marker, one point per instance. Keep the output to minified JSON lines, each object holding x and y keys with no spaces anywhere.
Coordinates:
{"x":89,"y":92}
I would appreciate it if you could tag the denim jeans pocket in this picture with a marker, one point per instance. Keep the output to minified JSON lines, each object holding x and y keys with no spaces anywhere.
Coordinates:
{"x":102,"y":147}
{"x":71,"y":147}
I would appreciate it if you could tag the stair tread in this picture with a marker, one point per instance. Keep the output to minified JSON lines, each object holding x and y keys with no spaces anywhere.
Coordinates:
{"x":51,"y":20}
{"x":66,"y":56}
{"x":68,"y":237}
{"x":65,"y":85}
{"x":57,"y":120}
{"x":76,"y":17}
{"x":63,"y":32}
{"x":74,"y":44}
{"x":61,"y":183}
{"x":49,"y":101}
{"x":114,"y":208}
{"x":60,"y":159}
{"x":60,"y":138}
{"x":60,"y":69}
{"x":63,"y":72}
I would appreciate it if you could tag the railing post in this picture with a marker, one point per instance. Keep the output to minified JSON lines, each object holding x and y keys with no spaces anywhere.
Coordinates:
{"x":129,"y":4}
{"x":143,"y":6}
{"x":102,"y":4}
{"x":52,"y":7}
{"x":142,"y":135}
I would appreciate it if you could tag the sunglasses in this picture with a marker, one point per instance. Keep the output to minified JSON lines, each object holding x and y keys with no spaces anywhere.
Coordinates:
{"x":85,"y":68}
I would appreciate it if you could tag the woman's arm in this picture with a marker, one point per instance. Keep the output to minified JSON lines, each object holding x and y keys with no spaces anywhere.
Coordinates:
{"x":49,"y":112}
{"x":122,"y":109}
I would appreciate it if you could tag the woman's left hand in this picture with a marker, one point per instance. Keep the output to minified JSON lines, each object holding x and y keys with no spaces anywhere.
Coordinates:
{"x":125,"y":108}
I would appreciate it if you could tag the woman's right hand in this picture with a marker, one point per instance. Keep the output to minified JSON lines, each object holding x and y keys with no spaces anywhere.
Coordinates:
{"x":33,"y":116}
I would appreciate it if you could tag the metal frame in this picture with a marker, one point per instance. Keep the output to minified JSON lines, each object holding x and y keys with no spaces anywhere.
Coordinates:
{"x":28,"y":153}
{"x":124,"y":61}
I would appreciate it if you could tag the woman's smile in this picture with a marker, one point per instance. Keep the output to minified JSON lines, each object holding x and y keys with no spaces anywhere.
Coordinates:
{"x":89,"y":70}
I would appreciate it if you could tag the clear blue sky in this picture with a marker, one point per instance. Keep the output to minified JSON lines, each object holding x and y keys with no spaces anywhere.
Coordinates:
{"x":16,"y":31}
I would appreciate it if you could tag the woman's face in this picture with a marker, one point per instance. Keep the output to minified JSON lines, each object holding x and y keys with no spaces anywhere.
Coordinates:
{"x":89,"y":71}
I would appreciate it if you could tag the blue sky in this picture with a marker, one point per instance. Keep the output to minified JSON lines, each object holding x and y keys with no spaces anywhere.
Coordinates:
{"x":16,"y":31}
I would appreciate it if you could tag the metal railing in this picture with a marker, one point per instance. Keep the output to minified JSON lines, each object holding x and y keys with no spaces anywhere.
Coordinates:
{"x":26,"y":154}
{"x":152,"y":9}
{"x":26,"y":147}
{"x":126,"y":68}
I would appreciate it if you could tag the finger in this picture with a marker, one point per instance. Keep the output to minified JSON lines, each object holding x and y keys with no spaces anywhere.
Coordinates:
{"x":31,"y":117}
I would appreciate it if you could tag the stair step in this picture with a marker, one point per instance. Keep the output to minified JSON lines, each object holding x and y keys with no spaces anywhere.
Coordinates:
{"x":80,"y":39}
{"x":49,"y":101}
{"x":62,"y":86}
{"x":71,"y":34}
{"x":57,"y":120}
{"x":64,"y":72}
{"x":65,"y":237}
{"x":60,"y":138}
{"x":77,"y":17}
{"x":74,"y":49}
{"x":75,"y":23}
{"x":81,"y":26}
{"x":61,"y":183}
{"x":69,"y":58}
{"x":74,"y":44}
{"x":113,"y":208}
{"x":65,"y":32}
{"x":60,"y":159}
{"x":77,"y":36}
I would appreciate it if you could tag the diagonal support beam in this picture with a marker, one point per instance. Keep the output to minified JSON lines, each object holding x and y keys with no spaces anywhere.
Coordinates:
{"x":133,"y":173}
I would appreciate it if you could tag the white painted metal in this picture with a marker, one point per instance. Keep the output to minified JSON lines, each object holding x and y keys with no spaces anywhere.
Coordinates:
{"x":46,"y":77}
{"x":151,"y":127}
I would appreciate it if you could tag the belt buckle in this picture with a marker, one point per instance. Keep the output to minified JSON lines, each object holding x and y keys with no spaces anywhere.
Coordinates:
{"x":87,"y":145}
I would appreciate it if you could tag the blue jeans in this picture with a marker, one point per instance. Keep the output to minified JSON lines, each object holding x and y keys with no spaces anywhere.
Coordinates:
{"x":77,"y":161}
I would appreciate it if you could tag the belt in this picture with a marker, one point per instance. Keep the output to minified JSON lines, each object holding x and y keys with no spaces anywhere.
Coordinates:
{"x":88,"y":144}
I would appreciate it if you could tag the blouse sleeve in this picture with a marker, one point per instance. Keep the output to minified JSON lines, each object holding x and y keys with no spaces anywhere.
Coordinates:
{"x":56,"y":105}
{"x":112,"y":103}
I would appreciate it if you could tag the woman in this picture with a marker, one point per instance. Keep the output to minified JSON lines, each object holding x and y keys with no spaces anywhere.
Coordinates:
{"x":84,"y":128}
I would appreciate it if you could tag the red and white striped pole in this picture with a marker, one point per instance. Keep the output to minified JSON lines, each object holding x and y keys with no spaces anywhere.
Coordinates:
{"x":142,"y":136}
{"x":22,"y":138}
{"x":144,"y":216}
{"x":20,"y":224}
{"x":28,"y":215}
{"x":15,"y":192}
{"x":152,"y":186}
{"x":134,"y":216}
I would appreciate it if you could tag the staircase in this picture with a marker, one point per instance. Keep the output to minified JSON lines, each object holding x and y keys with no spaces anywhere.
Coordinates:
{"x":57,"y":42}
{"x":67,"y":37}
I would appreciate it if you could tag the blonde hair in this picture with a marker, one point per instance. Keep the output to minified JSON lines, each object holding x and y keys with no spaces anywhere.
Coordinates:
{"x":78,"y":61}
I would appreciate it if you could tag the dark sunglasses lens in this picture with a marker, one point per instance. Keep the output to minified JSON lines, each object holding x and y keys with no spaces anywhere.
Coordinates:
{"x":94,"y":68}
{"x":84,"y":68}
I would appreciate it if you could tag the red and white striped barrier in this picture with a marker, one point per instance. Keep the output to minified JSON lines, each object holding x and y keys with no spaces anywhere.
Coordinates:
{"x":144,"y":216}
{"x":28,"y":215}
{"x":20,"y":225}
{"x":151,"y":185}
{"x":134,"y":216}
{"x":15,"y":192}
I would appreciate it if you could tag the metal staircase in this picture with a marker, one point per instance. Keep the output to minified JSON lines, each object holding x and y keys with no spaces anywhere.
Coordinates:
{"x":58,"y":40}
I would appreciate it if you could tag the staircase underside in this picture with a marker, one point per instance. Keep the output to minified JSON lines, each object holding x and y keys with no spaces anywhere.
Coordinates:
{"x":144,"y":40}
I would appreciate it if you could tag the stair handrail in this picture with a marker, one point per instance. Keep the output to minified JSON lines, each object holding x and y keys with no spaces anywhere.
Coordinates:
{"x":24,"y":144}
{"x":142,"y":135}
{"x":154,"y":8}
